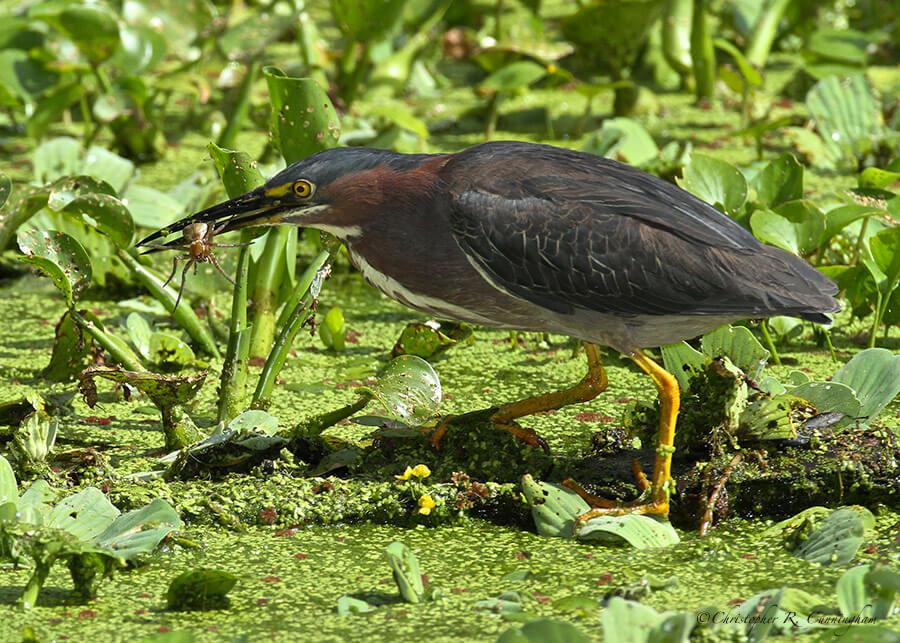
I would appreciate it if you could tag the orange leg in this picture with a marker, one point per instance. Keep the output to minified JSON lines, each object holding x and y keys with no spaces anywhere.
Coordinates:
{"x":655,"y":499}
{"x":591,"y":386}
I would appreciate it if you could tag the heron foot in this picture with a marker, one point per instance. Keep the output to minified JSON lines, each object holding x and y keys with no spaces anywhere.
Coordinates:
{"x":525,"y":434}
{"x":653,"y":501}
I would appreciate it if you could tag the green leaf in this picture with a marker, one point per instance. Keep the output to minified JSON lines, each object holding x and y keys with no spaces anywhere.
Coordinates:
{"x":846,"y":113}
{"x":682,"y":361}
{"x":877,"y":179}
{"x":168,"y":350}
{"x":749,"y":73}
{"x":303,"y":119}
{"x":92,"y":28}
{"x":65,"y":190}
{"x":24,"y":76}
{"x":151,"y":208}
{"x":641,"y":532}
{"x":852,"y":594}
{"x":840,"y":45}
{"x":554,"y":507}
{"x":780,"y":181}
{"x":398,"y":114}
{"x":139,"y":332}
{"x":795,"y":226}
{"x":840,"y":217}
{"x":9,"y":489}
{"x":108,"y":166}
{"x":835,"y":541}
{"x":739,"y":345}
{"x":255,"y":420}
{"x":250,"y":37}
{"x":56,"y":158}
{"x":367,"y":21}
{"x":5,"y":189}
{"x":348,"y":605}
{"x":829,"y":397}
{"x":60,"y":257}
{"x":633,"y":143}
{"x":408,"y":389}
{"x":238,"y":171}
{"x":139,"y":531}
{"x":544,"y":630}
{"x":517,"y":75}
{"x":885,"y":250}
{"x":874,"y":375}
{"x":406,"y":570}
{"x":106,"y":214}
{"x":199,"y":589}
{"x":717,"y":182}
{"x":628,"y":621}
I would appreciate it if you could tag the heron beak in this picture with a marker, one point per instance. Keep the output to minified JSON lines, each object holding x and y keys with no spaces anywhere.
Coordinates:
{"x":256,"y":207}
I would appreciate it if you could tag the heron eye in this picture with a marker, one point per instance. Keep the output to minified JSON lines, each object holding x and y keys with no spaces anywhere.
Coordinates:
{"x":303,"y":188}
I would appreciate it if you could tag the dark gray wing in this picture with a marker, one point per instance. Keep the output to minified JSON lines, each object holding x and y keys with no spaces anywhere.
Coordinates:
{"x":562,"y":232}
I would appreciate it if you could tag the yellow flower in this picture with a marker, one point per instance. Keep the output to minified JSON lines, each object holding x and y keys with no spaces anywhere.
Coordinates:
{"x":426,"y":504}
{"x":418,"y":471}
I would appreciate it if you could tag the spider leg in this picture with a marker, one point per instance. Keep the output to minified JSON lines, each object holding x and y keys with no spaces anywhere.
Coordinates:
{"x":215,"y":262}
{"x":174,"y":269}
{"x":232,"y":245}
{"x":183,"y":279}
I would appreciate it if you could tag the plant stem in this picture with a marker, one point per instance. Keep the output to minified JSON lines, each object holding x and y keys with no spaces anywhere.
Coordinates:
{"x":763,"y":328}
{"x":183,"y":314}
{"x":703,"y":55}
{"x":232,"y":387}
{"x":876,"y":321}
{"x":300,"y":314}
{"x":318,"y":423}
{"x":764,"y":31}
{"x":115,"y":347}
{"x":267,"y":280}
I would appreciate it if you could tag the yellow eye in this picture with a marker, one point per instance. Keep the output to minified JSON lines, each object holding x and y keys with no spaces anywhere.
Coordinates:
{"x":303,"y":188}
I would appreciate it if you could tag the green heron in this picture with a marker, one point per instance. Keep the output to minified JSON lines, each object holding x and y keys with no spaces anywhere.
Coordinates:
{"x":538,"y":238}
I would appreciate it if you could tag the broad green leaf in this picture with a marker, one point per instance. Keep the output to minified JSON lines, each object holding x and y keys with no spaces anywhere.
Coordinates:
{"x":85,"y":515}
{"x":367,"y":21}
{"x":840,"y":217}
{"x":544,"y":630}
{"x":24,"y":76}
{"x":258,"y":421}
{"x":408,"y":389}
{"x":92,"y":28}
{"x":885,"y":249}
{"x":852,"y":594}
{"x":398,"y":114}
{"x":842,"y":45}
{"x":517,"y":75}
{"x":303,"y":119}
{"x":874,"y":376}
{"x":717,"y":182}
{"x":140,"y":530}
{"x":553,"y":507}
{"x":681,"y":360}
{"x":107,"y":166}
{"x":151,"y":208}
{"x":139,"y":332}
{"x":56,"y":158}
{"x":739,"y":345}
{"x":749,"y":73}
{"x":878,"y":179}
{"x":250,"y":37}
{"x":332,"y":331}
{"x":60,"y":257}
{"x":105,"y":213}
{"x":348,"y":605}
{"x":846,"y":113}
{"x":796,"y":226}
{"x":238,"y":171}
{"x":628,"y":621}
{"x":199,"y":590}
{"x":169,"y":350}
{"x":141,"y":48}
{"x":829,"y":397}
{"x":633,"y":145}
{"x":183,"y":21}
{"x":407,"y":573}
{"x":9,"y":489}
{"x":71,"y":351}
{"x":767,"y":418}
{"x":836,"y":539}
{"x":780,"y":181}
{"x":641,"y":532}
{"x":65,"y":190}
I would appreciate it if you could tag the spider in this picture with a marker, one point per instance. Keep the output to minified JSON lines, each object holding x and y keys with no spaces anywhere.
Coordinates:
{"x":197,"y":239}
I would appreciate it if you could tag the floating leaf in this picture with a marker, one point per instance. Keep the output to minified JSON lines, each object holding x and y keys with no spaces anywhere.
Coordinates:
{"x":874,"y":376}
{"x":553,"y":507}
{"x":739,"y":345}
{"x":332,"y":331}
{"x":60,"y":257}
{"x":544,"y":630}
{"x":408,"y":389}
{"x":829,"y":397}
{"x":200,"y":589}
{"x":717,"y":182}
{"x":168,"y":350}
{"x":9,"y":489}
{"x":628,"y":621}
{"x":835,"y":541}
{"x":102,"y":164}
{"x":641,"y":532}
{"x":846,"y":113}
{"x":631,"y":142}
{"x":56,"y":158}
{"x":683,"y":361}
{"x":367,"y":20}
{"x":348,"y":605}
